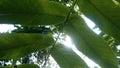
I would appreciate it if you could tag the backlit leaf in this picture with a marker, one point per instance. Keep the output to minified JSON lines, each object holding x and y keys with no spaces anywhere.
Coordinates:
{"x":90,"y":44}
{"x":66,"y":58}
{"x":105,"y":13}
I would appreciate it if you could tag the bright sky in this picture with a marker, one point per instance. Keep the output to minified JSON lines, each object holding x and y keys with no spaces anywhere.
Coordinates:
{"x":91,"y":25}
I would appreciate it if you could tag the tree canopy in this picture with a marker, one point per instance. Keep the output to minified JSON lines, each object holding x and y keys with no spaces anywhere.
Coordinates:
{"x":62,"y":17}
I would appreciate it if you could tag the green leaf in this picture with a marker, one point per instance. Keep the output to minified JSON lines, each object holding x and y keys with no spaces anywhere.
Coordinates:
{"x":105,"y":13}
{"x":110,"y":11}
{"x":14,"y":45}
{"x":66,"y":58}
{"x":32,"y":12}
{"x":90,"y":44}
{"x":22,"y":66}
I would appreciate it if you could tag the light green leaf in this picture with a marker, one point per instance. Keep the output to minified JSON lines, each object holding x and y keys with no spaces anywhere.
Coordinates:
{"x":32,"y":12}
{"x":66,"y":58}
{"x":105,"y":13}
{"x":14,"y":45}
{"x":90,"y":44}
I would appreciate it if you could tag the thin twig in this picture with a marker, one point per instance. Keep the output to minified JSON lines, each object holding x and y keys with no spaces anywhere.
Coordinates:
{"x":64,"y":23}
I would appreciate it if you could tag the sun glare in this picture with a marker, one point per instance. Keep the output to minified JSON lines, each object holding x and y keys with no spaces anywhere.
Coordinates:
{"x":89,"y":62}
{"x":6,"y":28}
{"x":67,"y":42}
{"x":118,"y":47}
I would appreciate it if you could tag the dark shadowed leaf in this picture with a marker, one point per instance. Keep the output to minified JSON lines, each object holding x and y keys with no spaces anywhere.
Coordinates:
{"x":32,"y":12}
{"x":22,"y":66}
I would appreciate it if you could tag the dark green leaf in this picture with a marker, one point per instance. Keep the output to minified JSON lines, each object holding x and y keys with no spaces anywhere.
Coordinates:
{"x":32,"y":12}
{"x":22,"y":66}
{"x":14,"y":46}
